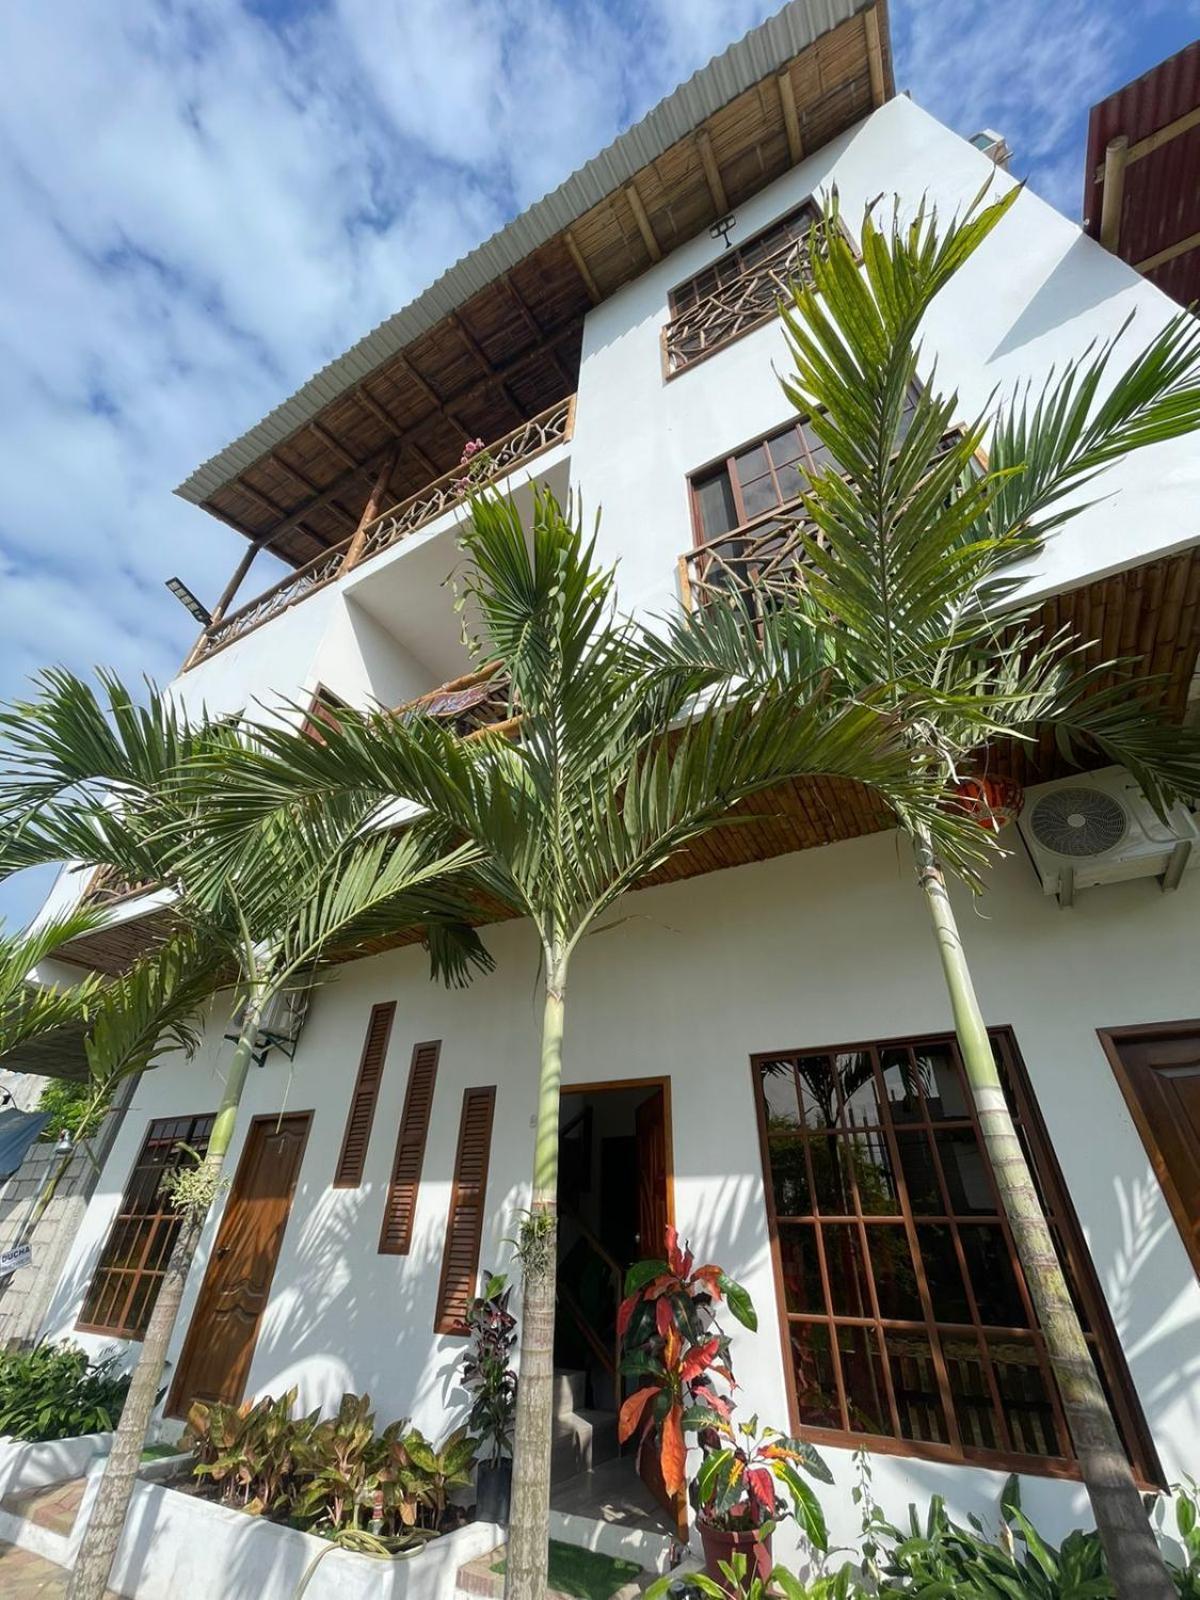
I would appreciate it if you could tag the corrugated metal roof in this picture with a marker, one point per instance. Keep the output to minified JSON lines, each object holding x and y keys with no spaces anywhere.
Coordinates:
{"x":764,"y":50}
{"x":1161,"y":199}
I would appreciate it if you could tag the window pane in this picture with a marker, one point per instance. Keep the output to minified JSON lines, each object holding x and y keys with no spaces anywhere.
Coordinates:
{"x":848,"y":1288}
{"x":941,"y":1083}
{"x":832,"y":1163}
{"x":862,"y":1374}
{"x":989,"y":1262}
{"x":816,"y":1385}
{"x":895,"y":1275}
{"x":759,"y":496}
{"x":752,"y":464}
{"x":792,"y":483}
{"x":785,"y":447}
{"x":856,"y":1080}
{"x":947,"y":1292}
{"x":714,"y":497}
{"x":914,"y":1381}
{"x":1023,"y":1395}
{"x":973,"y":1404}
{"x":873,"y":1174}
{"x":965,"y":1168}
{"x":800,"y":1268}
{"x":818,"y":1091}
{"x":778,"y":1079}
{"x":789,"y":1176}
{"x":920,"y":1174}
{"x":900,"y":1086}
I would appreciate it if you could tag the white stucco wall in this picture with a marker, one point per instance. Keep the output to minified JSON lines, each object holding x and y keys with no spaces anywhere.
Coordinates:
{"x":819,"y":948}
{"x":1037,"y":293}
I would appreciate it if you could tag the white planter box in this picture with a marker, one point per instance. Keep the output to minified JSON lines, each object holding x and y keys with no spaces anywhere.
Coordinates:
{"x":32,"y":1466}
{"x":177,"y":1544}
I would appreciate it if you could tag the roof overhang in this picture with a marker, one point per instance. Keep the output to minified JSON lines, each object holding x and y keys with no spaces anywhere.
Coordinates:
{"x":498,"y":334}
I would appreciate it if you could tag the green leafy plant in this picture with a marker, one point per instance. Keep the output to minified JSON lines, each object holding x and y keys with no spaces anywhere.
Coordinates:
{"x":328,"y":1475}
{"x":56,"y":1392}
{"x":488,"y":1376}
{"x":671,"y":1342}
{"x":939,"y":1557}
{"x":842,"y":1585}
{"x":70,"y":1106}
{"x":1187,"y":1525}
{"x":750,"y":1478}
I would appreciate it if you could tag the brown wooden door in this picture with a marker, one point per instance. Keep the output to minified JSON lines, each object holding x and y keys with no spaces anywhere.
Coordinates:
{"x":651,"y":1128}
{"x":220,"y":1342}
{"x":1159,"y":1071}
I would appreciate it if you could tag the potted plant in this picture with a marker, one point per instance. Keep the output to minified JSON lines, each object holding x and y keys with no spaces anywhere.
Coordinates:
{"x":672,"y":1343}
{"x":490,"y":1380}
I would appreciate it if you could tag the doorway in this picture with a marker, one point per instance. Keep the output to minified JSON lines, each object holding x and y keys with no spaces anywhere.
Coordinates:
{"x":1158,"y":1069}
{"x":216,"y":1356}
{"x":615,"y":1201}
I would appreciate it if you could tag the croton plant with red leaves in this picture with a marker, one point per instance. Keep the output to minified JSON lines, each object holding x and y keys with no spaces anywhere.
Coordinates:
{"x":667,"y":1325}
{"x":671,"y":1342}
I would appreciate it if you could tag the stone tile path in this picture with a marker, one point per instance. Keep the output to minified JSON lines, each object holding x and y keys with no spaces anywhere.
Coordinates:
{"x":24,"y":1576}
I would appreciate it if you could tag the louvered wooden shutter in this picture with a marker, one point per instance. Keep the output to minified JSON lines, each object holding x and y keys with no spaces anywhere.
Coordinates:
{"x":396,"y":1235}
{"x":350,"y":1164}
{"x":464,"y":1226}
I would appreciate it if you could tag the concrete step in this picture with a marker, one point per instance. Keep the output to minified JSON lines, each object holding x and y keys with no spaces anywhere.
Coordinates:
{"x":570,"y":1390}
{"x":582,"y":1440}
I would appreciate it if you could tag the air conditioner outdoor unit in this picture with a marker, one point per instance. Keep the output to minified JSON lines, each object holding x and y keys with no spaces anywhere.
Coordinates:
{"x":280,"y":1025}
{"x":1100,"y":828}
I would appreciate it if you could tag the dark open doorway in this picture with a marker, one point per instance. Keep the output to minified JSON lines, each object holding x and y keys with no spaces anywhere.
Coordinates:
{"x":615,"y":1201}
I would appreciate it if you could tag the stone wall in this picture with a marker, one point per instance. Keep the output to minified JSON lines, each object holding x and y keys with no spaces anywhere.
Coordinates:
{"x":25,"y":1294}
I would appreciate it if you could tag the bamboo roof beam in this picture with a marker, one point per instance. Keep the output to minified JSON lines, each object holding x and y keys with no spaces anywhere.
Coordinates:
{"x":712,"y":172}
{"x":582,"y":268}
{"x":875,"y":57}
{"x":791,"y":117}
{"x":653,"y":248}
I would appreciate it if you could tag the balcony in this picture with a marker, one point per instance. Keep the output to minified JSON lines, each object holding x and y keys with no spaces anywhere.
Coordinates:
{"x":389,"y":528}
{"x":735,"y":308}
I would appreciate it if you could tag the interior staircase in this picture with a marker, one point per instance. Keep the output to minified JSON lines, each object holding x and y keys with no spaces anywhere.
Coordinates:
{"x":582,"y":1438}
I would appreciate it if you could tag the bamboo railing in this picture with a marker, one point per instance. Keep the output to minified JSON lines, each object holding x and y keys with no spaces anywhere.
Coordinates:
{"x":400,"y":522}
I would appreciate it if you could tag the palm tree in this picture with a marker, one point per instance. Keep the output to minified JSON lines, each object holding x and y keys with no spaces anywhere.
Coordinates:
{"x":899,"y":580}
{"x":608,"y":775}
{"x":127,"y":790}
{"x":118,"y":1025}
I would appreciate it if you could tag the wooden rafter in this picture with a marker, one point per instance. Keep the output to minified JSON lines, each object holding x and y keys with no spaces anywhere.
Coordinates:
{"x":581,"y":266}
{"x":712,"y":172}
{"x":791,"y":117}
{"x":875,"y":57}
{"x":484,"y":361}
{"x":653,"y":248}
{"x":339,"y":449}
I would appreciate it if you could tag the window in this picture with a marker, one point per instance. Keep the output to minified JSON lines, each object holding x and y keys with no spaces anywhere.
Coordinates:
{"x":352,"y":1159}
{"x":739,"y":291}
{"x":766,"y":475}
{"x":322,"y":712}
{"x":395,"y":1237}
{"x":907,"y":1322}
{"x":125,"y":1284}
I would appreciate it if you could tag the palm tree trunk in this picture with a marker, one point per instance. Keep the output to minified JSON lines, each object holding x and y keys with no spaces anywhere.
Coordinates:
{"x":89,"y":1578}
{"x":529,"y":1530}
{"x":1135,"y":1563}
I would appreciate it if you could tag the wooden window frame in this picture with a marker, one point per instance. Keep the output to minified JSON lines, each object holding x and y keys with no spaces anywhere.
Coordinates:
{"x":348,"y":1173}
{"x":1081,"y":1272}
{"x":674,"y":310}
{"x":411,"y":1139}
{"x":192,"y":1132}
{"x":1111,"y":1040}
{"x":445,"y":1319}
{"x":323,"y":708}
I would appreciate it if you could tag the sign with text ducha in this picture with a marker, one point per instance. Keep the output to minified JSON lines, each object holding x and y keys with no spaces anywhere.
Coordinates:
{"x":21,"y":1255}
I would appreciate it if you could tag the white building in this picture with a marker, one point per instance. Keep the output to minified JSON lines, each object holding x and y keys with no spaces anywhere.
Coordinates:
{"x":324,"y":1269}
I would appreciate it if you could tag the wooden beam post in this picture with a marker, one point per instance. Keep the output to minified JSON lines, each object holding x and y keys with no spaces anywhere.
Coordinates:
{"x":582,"y":268}
{"x":370,"y":511}
{"x":875,"y":57}
{"x":791,"y":117}
{"x":653,"y":248}
{"x":712,"y":172}
{"x":1115,"y":158}
{"x":235,"y":583}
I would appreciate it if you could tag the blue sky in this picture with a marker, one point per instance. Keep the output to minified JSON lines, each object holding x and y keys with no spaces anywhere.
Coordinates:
{"x":205,"y":200}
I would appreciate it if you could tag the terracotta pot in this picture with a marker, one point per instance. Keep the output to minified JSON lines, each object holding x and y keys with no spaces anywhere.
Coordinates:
{"x":991,"y":802}
{"x":721,"y":1546}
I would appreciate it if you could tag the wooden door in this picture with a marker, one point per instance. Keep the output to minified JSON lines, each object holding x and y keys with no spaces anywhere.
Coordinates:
{"x":651,"y":1128}
{"x":1159,"y":1072}
{"x":220,"y":1342}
